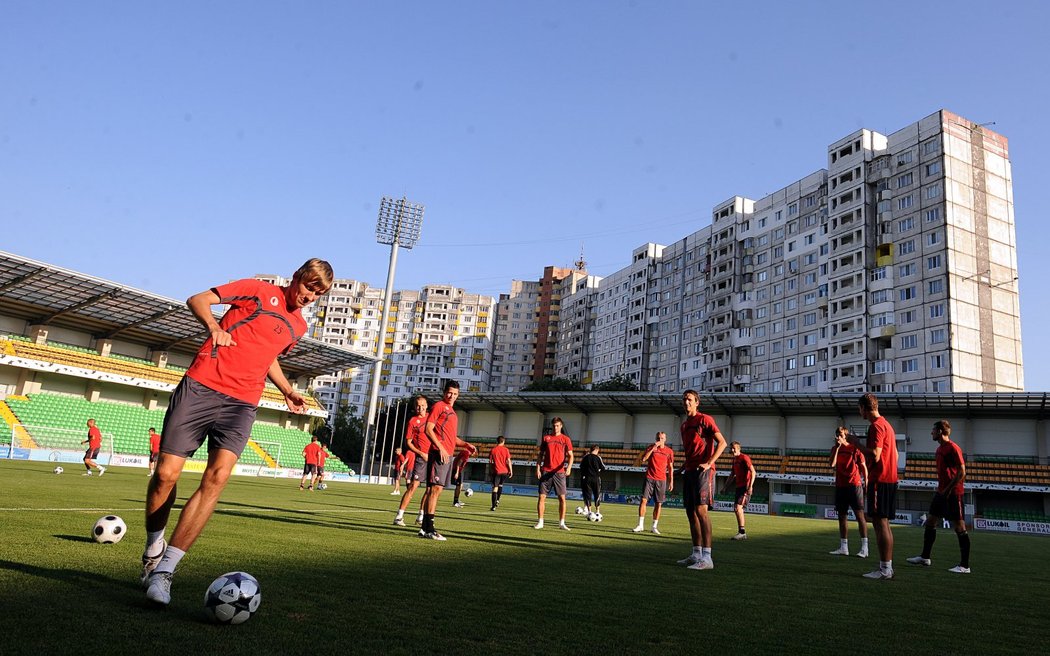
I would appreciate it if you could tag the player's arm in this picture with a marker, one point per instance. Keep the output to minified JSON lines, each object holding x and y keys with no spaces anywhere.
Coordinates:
{"x":718,"y":451}
{"x":835,"y":453}
{"x":510,"y":466}
{"x":568,"y":468}
{"x":670,"y":473}
{"x":751,"y":478}
{"x":648,"y":453}
{"x":539,"y":460}
{"x":293,"y":399}
{"x":200,"y":305}
{"x":959,"y":477}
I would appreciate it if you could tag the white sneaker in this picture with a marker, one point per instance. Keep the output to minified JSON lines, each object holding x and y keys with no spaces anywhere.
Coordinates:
{"x":101,"y":470}
{"x":149,"y":563}
{"x":159,"y":589}
{"x":863,"y":553}
{"x":692,"y":559}
{"x":538,"y":525}
{"x":87,"y":474}
{"x":959,"y":569}
{"x":703,"y":563}
{"x":563,"y":527}
{"x":919,"y":560}
{"x":435,"y":536}
{"x":655,"y":531}
{"x":419,"y":521}
{"x":398,"y":521}
{"x":879,"y":575}
{"x":739,"y":536}
{"x":638,"y":529}
{"x":422,"y":533}
{"x":395,"y":493}
{"x":458,"y":504}
{"x":841,"y":551}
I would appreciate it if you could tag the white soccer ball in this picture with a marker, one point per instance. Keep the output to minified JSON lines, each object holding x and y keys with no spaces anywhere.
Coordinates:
{"x":469,"y":492}
{"x":322,"y":486}
{"x":595,"y":517}
{"x":59,"y":470}
{"x":232,"y":598}
{"x":580,"y":510}
{"x":109,"y":530}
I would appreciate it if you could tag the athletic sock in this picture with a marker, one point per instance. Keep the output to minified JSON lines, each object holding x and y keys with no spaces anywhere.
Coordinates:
{"x":641,"y":523}
{"x":964,"y":548}
{"x":499,"y":494}
{"x":706,"y":552}
{"x":428,"y":523}
{"x":698,"y":551}
{"x":172,"y":556}
{"x":655,"y":522}
{"x":864,"y":544}
{"x":400,"y":514}
{"x":844,"y":544}
{"x":928,"y":538}
{"x":153,"y":539}
{"x":740,"y":530}
{"x":495,"y":498}
{"x":886,"y":565}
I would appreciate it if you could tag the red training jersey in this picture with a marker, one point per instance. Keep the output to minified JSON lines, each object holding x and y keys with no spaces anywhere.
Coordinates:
{"x":310,"y":453}
{"x":416,"y":434}
{"x":500,"y":459}
{"x":263,"y":328}
{"x":660,"y":460}
{"x":698,"y":439}
{"x":742,"y":470}
{"x":401,"y":459}
{"x":556,"y":452}
{"x":410,"y":462}
{"x":949,"y":461}
{"x":880,"y":434}
{"x":446,"y":424}
{"x":94,"y":437}
{"x":848,"y":466}
{"x":322,"y":455}
{"x":154,"y":443}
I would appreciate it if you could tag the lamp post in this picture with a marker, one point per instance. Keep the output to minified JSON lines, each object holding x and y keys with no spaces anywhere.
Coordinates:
{"x":399,"y":224}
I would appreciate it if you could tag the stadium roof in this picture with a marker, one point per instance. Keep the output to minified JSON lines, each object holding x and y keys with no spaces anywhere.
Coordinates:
{"x":45,"y":294}
{"x":987,"y":404}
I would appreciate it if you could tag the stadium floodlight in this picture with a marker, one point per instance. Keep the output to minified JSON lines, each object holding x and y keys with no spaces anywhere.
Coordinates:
{"x":399,"y":225}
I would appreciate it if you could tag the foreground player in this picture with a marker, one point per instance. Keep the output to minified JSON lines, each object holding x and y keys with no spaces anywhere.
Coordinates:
{"x":743,"y":476}
{"x":442,"y":427}
{"x":502,"y":469}
{"x":310,"y":457}
{"x":703,"y":443}
{"x":591,"y":468}
{"x":659,"y":462}
{"x":154,"y":449}
{"x":948,"y":500}
{"x":94,"y":442}
{"x":416,"y":466}
{"x":217,"y":399}
{"x":881,"y":452}
{"x":850,"y":474}
{"x":551,"y":471}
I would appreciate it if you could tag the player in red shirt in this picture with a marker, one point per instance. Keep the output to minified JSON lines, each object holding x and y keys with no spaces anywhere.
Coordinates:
{"x":947,"y":501}
{"x":94,"y":442}
{"x":458,"y":465}
{"x":659,"y":480}
{"x":442,"y":429}
{"x":418,"y":445}
{"x":850,"y":473}
{"x":703,"y":443}
{"x":217,"y":400}
{"x":322,"y":456}
{"x":743,"y":476}
{"x":502,"y":469}
{"x":154,"y":449}
{"x":310,"y":458}
{"x":399,"y":469}
{"x":880,"y":452}
{"x":554,"y":466}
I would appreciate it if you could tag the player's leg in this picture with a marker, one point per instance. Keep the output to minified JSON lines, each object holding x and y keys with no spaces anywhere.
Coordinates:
{"x":738,"y":510}
{"x":562,"y":504}
{"x":964,"y":545}
{"x":541,"y":498}
{"x":495,"y":490}
{"x":641,"y":514}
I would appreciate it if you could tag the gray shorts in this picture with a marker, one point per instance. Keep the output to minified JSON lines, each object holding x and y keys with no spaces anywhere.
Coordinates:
{"x":555,"y":480}
{"x":655,"y":490}
{"x":419,"y":470}
{"x":90,"y":454}
{"x":196,"y":412}
{"x":309,"y":469}
{"x":438,"y":474}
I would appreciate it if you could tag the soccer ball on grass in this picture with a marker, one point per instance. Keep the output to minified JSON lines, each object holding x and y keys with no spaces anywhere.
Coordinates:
{"x":469,"y":492}
{"x":109,"y":530}
{"x":595,"y":517}
{"x":59,"y":470}
{"x":580,"y":510}
{"x":232,"y":598}
{"x":322,"y":486}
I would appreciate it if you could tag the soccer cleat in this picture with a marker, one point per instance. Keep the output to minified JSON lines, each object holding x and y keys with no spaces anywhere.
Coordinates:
{"x":564,"y":527}
{"x":300,"y":488}
{"x":101,"y":470}
{"x":493,"y":508}
{"x":739,"y":536}
{"x":637,"y":529}
{"x":919,"y":560}
{"x":159,"y":589}
{"x":691,"y":560}
{"x":703,"y":563}
{"x":655,"y":531}
{"x":419,"y":520}
{"x":434,"y":535}
{"x":398,"y":521}
{"x":841,"y":551}
{"x":395,"y":493}
{"x":538,"y":525}
{"x":149,"y":563}
{"x":458,"y":504}
{"x":863,"y":553}
{"x":879,"y":575}
{"x":422,"y":533}
{"x":959,"y":569}
{"x":87,"y":474}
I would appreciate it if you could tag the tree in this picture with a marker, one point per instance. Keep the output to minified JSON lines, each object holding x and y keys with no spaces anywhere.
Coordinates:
{"x":553,"y":385}
{"x":618,"y":383}
{"x":348,"y":435}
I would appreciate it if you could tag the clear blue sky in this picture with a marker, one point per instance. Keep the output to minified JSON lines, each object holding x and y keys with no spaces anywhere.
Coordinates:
{"x":171,"y":146}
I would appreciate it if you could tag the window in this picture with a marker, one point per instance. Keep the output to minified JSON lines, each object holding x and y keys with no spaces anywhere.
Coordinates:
{"x":792,"y":363}
{"x":935,"y":286}
{"x":906,"y":248}
{"x":904,"y":225}
{"x":760,"y":350}
{"x":933,"y":191}
{"x":809,"y":360}
{"x":777,"y":327}
{"x":808,"y":240}
{"x":904,"y":180}
{"x":881,"y":296}
{"x":909,"y":366}
{"x":909,"y":342}
{"x":904,"y":202}
{"x":907,"y":317}
{"x":931,"y":146}
{"x":809,"y":381}
{"x":938,"y":336}
{"x":937,"y":362}
{"x":809,"y":258}
{"x":905,"y":270}
{"x":937,"y":311}
{"x":778,"y":251}
{"x":933,"y":215}
{"x":933,"y":238}
{"x":933,"y":262}
{"x":809,"y":339}
{"x":810,"y":298}
{"x":809,"y":319}
{"x":905,"y":158}
{"x":775,"y":348}
{"x":933,"y":168}
{"x":811,"y":278}
{"x":762,"y":276}
{"x":908,"y":293}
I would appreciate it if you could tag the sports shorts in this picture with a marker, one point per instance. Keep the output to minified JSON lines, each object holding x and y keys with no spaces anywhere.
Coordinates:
{"x":947,"y":506}
{"x":742,"y":497}
{"x":849,"y":497}
{"x":153,"y":457}
{"x":419,"y":471}
{"x":438,"y":474}
{"x":499,"y":479}
{"x":552,"y":480}
{"x":882,"y":500}
{"x":592,"y":490}
{"x":196,"y":412}
{"x":655,"y":490}
{"x":698,"y":488}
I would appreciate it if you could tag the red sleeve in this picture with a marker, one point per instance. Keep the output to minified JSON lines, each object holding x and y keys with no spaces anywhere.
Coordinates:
{"x":238,"y":292}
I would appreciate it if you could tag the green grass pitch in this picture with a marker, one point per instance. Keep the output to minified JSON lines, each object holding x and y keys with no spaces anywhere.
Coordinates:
{"x":336,"y":575}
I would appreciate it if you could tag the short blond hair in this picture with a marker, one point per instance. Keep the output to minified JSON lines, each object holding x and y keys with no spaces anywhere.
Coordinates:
{"x":315,"y":269}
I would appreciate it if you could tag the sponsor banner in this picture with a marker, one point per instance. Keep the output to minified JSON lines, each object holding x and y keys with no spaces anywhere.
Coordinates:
{"x":125,"y":460}
{"x":55,"y":455}
{"x":341,"y":477}
{"x":900,"y":518}
{"x":194,"y":466}
{"x":1011,"y":526}
{"x":247,"y":470}
{"x":752,"y":508}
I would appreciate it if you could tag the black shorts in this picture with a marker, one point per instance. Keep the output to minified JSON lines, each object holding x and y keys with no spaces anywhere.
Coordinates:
{"x":90,"y":454}
{"x":153,"y":457}
{"x":320,"y":470}
{"x":742,"y":496}
{"x":499,"y":479}
{"x":655,"y":490}
{"x":849,"y":497}
{"x":438,"y":474}
{"x":882,"y":500}
{"x":196,"y":412}
{"x":592,"y":490}
{"x":554,"y":480}
{"x":419,"y":471}
{"x":698,"y":488}
{"x":309,"y":469}
{"x":947,"y":506}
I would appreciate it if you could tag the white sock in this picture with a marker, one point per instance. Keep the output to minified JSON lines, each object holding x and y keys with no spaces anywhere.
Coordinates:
{"x":641,"y":523}
{"x":844,"y":543}
{"x":539,"y":523}
{"x":864,"y":544}
{"x":172,"y":556}
{"x":153,"y":539}
{"x":707,"y":552}
{"x":400,"y":514}
{"x":886,"y":565}
{"x":698,"y":551}
{"x":655,"y":522}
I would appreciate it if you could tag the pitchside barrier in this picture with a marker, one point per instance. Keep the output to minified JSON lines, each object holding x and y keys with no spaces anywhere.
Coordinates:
{"x":47,"y":443}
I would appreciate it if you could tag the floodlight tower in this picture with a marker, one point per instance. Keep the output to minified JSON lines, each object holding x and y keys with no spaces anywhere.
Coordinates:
{"x":399,"y":224}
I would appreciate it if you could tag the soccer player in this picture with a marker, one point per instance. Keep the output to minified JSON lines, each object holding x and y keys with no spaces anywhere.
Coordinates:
{"x":555,"y":464}
{"x":703,"y":443}
{"x":322,"y":456}
{"x":850,"y":474}
{"x":418,"y":449}
{"x":502,"y":469}
{"x":399,"y":468}
{"x":217,"y":399}
{"x":154,"y":449}
{"x":591,"y":468}
{"x":310,"y":457}
{"x":94,"y":442}
{"x":880,"y":451}
{"x":743,"y":475}
{"x":659,"y":480}
{"x":947,"y":500}
{"x":457,"y":472}
{"x":441,"y":428}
